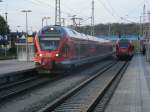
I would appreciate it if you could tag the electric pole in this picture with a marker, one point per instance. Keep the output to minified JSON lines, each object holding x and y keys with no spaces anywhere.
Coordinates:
{"x":109,"y":29}
{"x":148,"y":38}
{"x":57,"y":13}
{"x":140,"y":32}
{"x":45,"y":18}
{"x":6,"y":15}
{"x":74,"y":19}
{"x":6,"y":22}
{"x":63,"y":21}
{"x":92,"y":19}
{"x":6,"y":31}
{"x":144,"y":30}
{"x":148,"y":29}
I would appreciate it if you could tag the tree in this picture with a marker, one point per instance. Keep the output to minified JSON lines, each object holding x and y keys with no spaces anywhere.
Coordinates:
{"x":116,"y":28}
{"x":4,"y":28}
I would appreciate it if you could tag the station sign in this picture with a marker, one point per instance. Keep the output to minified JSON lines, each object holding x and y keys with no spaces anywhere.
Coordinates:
{"x":30,"y":39}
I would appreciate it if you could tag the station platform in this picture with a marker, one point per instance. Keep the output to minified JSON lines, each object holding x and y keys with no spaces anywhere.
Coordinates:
{"x":133,"y":92}
{"x":8,"y":67}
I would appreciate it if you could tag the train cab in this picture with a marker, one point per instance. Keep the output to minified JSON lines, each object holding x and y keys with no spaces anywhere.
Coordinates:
{"x":124,"y":49}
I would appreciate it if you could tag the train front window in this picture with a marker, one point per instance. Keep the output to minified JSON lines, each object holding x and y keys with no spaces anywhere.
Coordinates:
{"x":49,"y":44}
{"x":123,"y":45}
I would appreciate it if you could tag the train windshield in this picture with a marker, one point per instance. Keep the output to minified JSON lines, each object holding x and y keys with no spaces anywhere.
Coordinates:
{"x":49,"y":44}
{"x":123,"y":44}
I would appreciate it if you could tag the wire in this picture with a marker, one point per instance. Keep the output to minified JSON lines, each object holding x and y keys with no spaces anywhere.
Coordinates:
{"x":74,"y":11}
{"x":111,"y":13}
{"x":35,"y":3}
{"x":127,"y":20}
{"x":112,"y":8}
{"x":40,"y":4}
{"x":140,"y":4}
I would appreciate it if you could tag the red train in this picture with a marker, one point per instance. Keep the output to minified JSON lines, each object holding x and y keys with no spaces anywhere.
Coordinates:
{"x":124,"y":49}
{"x":59,"y":48}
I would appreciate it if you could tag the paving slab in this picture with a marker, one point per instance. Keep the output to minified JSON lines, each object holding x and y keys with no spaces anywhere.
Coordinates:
{"x":133,"y":92}
{"x":12,"y":66}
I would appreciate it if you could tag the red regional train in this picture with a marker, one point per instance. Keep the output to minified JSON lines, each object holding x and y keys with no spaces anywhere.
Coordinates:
{"x":59,"y":48}
{"x":124,"y":49}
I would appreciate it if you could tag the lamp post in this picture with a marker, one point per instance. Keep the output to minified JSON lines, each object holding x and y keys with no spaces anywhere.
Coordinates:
{"x":26,"y":13}
{"x":1,"y":1}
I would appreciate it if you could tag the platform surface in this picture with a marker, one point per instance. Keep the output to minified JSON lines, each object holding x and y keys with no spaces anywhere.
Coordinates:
{"x":133,"y":92}
{"x":10,"y":66}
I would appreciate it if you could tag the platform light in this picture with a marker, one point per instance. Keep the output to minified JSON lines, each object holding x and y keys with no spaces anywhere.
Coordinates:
{"x":27,"y":46}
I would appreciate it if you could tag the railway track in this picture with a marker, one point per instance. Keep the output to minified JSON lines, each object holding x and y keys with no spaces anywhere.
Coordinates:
{"x":15,"y":88}
{"x":12,"y":89}
{"x":102,"y":104}
{"x":86,"y":96}
{"x":13,"y":77}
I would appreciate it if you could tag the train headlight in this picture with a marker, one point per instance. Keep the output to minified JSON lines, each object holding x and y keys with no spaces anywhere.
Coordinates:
{"x":40,"y":55}
{"x":57,"y":55}
{"x":52,"y":29}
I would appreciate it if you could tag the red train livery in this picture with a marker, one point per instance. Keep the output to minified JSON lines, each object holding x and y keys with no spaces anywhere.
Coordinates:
{"x":59,"y":48}
{"x":124,"y":49}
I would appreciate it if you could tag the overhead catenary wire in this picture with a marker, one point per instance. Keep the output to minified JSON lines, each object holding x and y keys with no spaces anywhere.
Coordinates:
{"x":69,"y":12}
{"x":74,"y":12}
{"x":113,"y":12}
{"x":110,"y":5}
{"x":39,"y":3}
{"x":108,"y":10}
{"x":140,"y":4}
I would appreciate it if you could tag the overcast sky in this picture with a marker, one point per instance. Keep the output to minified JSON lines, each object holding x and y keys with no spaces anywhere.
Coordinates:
{"x":106,"y":11}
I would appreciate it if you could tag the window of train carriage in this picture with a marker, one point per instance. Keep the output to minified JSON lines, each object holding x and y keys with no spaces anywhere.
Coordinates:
{"x":97,"y":48}
{"x":101,"y":48}
{"x":77,"y":49}
{"x":106,"y":48}
{"x":83,"y":50}
{"x":65,"y":50}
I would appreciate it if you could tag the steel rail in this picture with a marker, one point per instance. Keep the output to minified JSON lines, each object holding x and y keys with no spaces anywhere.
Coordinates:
{"x":51,"y":106}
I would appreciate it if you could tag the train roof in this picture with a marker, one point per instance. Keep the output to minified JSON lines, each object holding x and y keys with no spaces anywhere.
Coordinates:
{"x":71,"y":33}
